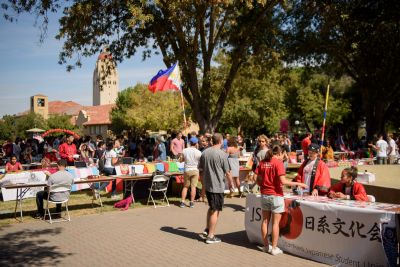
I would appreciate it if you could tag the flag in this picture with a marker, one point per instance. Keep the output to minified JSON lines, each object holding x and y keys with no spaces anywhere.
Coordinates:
{"x":165,"y":80}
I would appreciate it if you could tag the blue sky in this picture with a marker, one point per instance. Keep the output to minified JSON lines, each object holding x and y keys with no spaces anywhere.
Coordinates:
{"x":28,"y":67}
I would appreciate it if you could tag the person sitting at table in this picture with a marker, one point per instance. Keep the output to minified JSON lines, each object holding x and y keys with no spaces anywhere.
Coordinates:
{"x":314,"y":172}
{"x":270,"y":177}
{"x":51,"y":155}
{"x":13,"y":165}
{"x":327,"y":151}
{"x":57,"y":178}
{"x":348,"y":188}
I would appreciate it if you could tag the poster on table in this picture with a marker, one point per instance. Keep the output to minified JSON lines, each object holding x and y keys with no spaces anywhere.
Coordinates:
{"x":341,"y":233}
{"x":22,"y":178}
{"x":33,"y":177}
{"x":81,"y":173}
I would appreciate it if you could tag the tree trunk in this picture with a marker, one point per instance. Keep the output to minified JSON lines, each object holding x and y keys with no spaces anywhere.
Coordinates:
{"x":375,"y":116}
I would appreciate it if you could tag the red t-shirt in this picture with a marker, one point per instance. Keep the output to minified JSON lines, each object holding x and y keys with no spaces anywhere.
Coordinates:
{"x":270,"y":171}
{"x":67,"y":151}
{"x":13,"y":168}
{"x":304,"y":145}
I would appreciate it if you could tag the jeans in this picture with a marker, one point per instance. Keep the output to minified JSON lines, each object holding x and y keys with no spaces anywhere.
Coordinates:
{"x":40,"y":196}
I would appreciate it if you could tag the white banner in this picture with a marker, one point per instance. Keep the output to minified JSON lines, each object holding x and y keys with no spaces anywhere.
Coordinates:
{"x":22,"y":178}
{"x":343,"y":233}
{"x":38,"y":177}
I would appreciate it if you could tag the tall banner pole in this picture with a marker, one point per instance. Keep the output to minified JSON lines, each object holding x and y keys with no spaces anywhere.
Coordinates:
{"x":325,"y":111}
{"x":183,"y":109}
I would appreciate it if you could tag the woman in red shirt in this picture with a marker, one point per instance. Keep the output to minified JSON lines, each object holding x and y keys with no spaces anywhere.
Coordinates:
{"x":348,"y":188}
{"x":13,"y":165}
{"x":270,"y":177}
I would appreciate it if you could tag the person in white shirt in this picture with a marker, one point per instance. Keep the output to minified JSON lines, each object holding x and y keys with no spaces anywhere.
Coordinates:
{"x":392,"y":153}
{"x":111,"y":159}
{"x":381,"y":148}
{"x":191,"y":157}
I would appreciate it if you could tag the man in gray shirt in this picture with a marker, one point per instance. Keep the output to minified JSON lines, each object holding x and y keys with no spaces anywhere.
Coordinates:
{"x":213,"y":168}
{"x":60,"y":177}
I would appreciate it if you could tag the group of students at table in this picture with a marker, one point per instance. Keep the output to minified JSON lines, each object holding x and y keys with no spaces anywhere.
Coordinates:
{"x":313,"y":177}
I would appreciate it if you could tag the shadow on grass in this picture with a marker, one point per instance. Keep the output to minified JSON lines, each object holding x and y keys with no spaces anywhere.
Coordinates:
{"x":29,"y":247}
{"x":236,"y":238}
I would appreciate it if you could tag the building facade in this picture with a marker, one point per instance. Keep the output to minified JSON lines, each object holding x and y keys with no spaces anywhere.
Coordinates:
{"x":40,"y":105}
{"x":105,"y":80}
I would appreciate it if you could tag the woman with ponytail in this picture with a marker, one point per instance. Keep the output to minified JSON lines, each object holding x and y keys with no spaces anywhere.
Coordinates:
{"x":270,"y":177}
{"x":348,"y":188}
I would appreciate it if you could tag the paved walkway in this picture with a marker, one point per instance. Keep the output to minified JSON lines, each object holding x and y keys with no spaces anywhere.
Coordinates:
{"x":138,"y":237}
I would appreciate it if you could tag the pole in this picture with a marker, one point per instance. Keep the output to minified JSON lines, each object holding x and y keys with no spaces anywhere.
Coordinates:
{"x":325,"y":111}
{"x":183,"y":109}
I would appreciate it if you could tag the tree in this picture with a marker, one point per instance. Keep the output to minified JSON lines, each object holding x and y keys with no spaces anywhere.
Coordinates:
{"x":257,"y":101}
{"x":305,"y":98}
{"x":6,"y":127}
{"x":139,"y":110}
{"x":359,"y":38}
{"x":190,"y":32}
{"x":60,"y":122}
{"x":26,"y":122}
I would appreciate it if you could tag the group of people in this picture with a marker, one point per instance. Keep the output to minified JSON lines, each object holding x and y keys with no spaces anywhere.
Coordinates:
{"x":215,"y":158}
{"x":313,"y":178}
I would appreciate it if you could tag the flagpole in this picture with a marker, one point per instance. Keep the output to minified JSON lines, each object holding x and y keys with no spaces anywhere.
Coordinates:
{"x":325,"y":111}
{"x":183,"y":109}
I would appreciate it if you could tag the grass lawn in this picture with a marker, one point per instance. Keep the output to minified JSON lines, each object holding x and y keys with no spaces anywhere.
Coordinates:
{"x":80,"y":203}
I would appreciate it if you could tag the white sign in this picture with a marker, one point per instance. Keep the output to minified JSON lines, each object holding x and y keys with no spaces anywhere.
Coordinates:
{"x":329,"y":231}
{"x":22,"y":178}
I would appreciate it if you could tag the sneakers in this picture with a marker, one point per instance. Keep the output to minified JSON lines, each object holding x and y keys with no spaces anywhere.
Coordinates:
{"x":191,"y":204}
{"x":276,"y":251}
{"x":38,"y":215}
{"x":182,"y":205}
{"x":114,"y":197}
{"x":266,"y":249}
{"x":204,"y":234}
{"x":213,"y":240}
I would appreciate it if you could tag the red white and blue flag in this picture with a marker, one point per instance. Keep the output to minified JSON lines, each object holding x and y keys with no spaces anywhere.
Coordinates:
{"x":166,"y":80}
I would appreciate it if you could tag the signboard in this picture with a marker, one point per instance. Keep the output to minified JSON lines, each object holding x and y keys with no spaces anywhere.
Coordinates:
{"x":335,"y":232}
{"x":23,"y":178}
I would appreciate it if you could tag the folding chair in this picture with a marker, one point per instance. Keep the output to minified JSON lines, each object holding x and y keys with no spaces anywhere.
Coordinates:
{"x":159,"y":184}
{"x":60,"y":188}
{"x":96,"y":191}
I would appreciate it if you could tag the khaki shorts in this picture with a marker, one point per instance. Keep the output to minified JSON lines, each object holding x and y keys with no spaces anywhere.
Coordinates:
{"x":191,"y":178}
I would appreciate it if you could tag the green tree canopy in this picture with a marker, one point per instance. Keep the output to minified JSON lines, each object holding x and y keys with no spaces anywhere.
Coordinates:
{"x":60,"y":121}
{"x":187,"y":31}
{"x":139,"y":110}
{"x":359,"y":38}
{"x":305,"y":98}
{"x":257,"y":101}
{"x":25,"y":122}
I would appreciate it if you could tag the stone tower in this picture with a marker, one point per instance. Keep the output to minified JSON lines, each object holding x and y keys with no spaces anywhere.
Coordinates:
{"x":105,"y":80}
{"x":40,"y":105}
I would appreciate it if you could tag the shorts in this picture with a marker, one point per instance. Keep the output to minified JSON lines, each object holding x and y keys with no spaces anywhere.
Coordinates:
{"x":215,"y":200}
{"x":191,"y":178}
{"x":275,"y":204}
